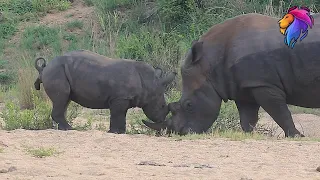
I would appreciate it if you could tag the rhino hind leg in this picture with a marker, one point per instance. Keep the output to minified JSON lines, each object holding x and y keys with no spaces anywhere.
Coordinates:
{"x":118,"y":111}
{"x":248,"y":115}
{"x":58,"y":114}
{"x":273,"y":101}
{"x":59,"y":94}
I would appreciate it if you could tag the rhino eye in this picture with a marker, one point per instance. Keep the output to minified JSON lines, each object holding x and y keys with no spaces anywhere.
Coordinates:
{"x":188,"y":105}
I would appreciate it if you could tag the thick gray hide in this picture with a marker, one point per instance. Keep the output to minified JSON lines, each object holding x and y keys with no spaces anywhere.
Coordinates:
{"x":98,"y":82}
{"x":246,"y":60}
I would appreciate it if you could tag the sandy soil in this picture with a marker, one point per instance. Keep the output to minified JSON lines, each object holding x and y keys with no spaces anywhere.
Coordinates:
{"x":99,"y":155}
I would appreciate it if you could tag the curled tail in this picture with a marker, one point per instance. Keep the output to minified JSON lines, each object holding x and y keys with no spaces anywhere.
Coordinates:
{"x":40,"y":69}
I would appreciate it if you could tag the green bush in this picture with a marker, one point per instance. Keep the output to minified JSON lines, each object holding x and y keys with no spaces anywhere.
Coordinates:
{"x":35,"y":119}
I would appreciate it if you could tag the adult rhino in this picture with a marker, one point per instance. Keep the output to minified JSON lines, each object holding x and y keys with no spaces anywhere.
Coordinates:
{"x":98,"y":82}
{"x":245,"y":59}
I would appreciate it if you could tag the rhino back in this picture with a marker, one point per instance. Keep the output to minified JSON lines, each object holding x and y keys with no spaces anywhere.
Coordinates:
{"x":254,"y":54}
{"x":96,"y":79}
{"x":263,"y":56}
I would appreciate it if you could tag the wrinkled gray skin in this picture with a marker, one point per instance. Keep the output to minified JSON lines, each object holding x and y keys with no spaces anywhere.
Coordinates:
{"x":244,"y":59}
{"x":98,"y":82}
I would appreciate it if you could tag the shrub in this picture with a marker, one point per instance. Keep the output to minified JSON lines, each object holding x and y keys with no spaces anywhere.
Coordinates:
{"x":35,"y":119}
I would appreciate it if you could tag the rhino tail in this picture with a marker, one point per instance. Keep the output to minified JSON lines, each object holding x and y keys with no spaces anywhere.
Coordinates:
{"x":40,"y":69}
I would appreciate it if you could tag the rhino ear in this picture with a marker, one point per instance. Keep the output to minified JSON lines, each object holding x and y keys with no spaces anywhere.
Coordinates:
{"x":168,"y":79}
{"x":158,"y":72}
{"x":196,"y":51}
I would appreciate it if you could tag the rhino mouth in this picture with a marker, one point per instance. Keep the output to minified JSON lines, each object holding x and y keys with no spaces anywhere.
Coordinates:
{"x":165,"y":125}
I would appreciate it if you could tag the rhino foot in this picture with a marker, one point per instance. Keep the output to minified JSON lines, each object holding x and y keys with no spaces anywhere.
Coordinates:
{"x":294,"y":134}
{"x":64,"y":128}
{"x":117,"y":131}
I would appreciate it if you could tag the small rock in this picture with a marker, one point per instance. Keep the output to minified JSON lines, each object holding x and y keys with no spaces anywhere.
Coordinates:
{"x":12,"y":168}
{"x":181,"y":165}
{"x":246,"y":179}
{"x":318,"y":169}
{"x":150,"y":163}
{"x":203,"y":166}
{"x":3,"y":170}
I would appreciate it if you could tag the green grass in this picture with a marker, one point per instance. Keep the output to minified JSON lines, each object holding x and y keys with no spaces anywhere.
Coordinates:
{"x":40,"y":37}
{"x":232,"y":135}
{"x":42,"y":152}
{"x":75,"y":24}
{"x":1,"y":150}
{"x":298,"y":110}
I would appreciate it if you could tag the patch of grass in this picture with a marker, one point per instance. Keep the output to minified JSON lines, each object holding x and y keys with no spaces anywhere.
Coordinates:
{"x":85,"y":127}
{"x":112,"y":4}
{"x":1,"y":150}
{"x":229,"y":134}
{"x":135,"y":125}
{"x":228,"y":118}
{"x":73,"y":111}
{"x":42,"y":152}
{"x":298,"y":110}
{"x":7,"y":29}
{"x":69,"y":15}
{"x":75,"y":24}
{"x":40,"y":37}
{"x":46,"y":5}
{"x":88,"y":2}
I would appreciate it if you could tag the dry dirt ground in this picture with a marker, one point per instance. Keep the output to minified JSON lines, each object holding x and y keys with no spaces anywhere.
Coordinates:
{"x":98,"y":155}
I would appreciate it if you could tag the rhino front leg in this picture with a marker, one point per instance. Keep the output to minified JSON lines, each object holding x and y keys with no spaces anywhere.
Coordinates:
{"x":273,"y":101}
{"x":118,"y":111}
{"x":248,"y":115}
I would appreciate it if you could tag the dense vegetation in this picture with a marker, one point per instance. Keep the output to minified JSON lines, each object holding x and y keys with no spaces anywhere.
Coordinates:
{"x":158,"y":32}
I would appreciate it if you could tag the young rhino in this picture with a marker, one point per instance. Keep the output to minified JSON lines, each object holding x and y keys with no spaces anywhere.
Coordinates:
{"x":97,"y":82}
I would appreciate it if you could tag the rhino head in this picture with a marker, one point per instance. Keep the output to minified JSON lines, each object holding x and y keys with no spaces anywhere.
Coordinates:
{"x":200,"y":103}
{"x":155,"y":106}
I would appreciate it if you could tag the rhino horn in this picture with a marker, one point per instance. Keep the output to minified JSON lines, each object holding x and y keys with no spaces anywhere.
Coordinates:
{"x":156,"y":126}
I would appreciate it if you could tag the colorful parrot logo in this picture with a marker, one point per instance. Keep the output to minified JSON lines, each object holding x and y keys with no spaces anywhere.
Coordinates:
{"x":293,"y":22}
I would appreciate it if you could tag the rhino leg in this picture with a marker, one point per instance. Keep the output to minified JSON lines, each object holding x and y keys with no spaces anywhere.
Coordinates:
{"x":118,"y":112}
{"x":58,"y":114}
{"x":248,"y":115}
{"x":59,"y":93}
{"x":273,"y":101}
